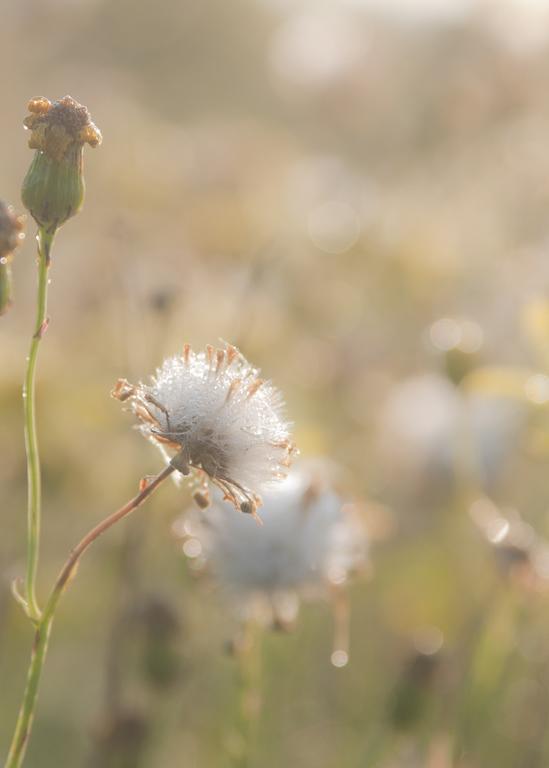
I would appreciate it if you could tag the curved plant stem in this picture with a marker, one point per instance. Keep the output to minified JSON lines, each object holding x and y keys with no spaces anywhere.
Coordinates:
{"x":45,"y":240}
{"x":43,"y":628}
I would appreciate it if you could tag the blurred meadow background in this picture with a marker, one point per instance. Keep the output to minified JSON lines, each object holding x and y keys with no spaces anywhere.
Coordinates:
{"x":356,"y":194}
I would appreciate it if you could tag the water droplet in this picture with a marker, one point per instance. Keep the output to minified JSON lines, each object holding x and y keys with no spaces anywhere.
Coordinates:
{"x":340,"y":658}
{"x":428,"y":640}
{"x":192,"y":548}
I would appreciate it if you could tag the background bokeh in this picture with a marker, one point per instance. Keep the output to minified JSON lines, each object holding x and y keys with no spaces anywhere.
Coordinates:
{"x":356,"y":193}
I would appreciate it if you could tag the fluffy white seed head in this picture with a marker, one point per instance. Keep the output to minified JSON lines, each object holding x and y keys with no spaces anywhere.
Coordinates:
{"x":211,"y":413}
{"x":310,"y":541}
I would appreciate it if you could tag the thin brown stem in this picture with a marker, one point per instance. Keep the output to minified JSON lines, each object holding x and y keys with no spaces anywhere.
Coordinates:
{"x":43,"y":628}
{"x":104,"y":525}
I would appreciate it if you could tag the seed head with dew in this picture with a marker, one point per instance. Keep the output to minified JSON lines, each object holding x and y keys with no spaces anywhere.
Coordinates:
{"x":210,"y":412}
{"x":310,"y":544}
{"x":11,"y":235}
{"x":53,"y":189}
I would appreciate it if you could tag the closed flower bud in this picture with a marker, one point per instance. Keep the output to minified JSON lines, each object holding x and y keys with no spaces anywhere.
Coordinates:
{"x":11,"y":234}
{"x":53,"y":189}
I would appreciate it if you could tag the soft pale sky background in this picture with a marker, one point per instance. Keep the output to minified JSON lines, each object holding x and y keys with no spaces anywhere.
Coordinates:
{"x":512,"y":19}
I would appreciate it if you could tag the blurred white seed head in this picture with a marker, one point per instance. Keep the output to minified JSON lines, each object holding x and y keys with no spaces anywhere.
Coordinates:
{"x":310,"y":543}
{"x":427,"y":423}
{"x":211,"y":413}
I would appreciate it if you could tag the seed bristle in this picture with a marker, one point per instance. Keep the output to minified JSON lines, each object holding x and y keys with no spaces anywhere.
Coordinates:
{"x":254,"y":386}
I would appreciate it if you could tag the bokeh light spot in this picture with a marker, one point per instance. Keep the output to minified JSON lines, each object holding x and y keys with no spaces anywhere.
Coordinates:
{"x":334,"y":227}
{"x":192,"y":548}
{"x":536,"y":388}
{"x":339,"y":658}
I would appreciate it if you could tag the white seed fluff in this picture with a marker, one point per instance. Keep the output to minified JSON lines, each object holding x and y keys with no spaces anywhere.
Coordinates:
{"x":211,"y":412}
{"x":310,"y":540}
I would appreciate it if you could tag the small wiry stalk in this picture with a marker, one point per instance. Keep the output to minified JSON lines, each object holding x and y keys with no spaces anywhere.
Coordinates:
{"x":45,"y":240}
{"x":43,"y":625}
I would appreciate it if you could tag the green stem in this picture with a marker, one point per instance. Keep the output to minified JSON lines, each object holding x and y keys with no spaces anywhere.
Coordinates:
{"x":248,"y":707}
{"x":43,"y":628}
{"x":45,"y":240}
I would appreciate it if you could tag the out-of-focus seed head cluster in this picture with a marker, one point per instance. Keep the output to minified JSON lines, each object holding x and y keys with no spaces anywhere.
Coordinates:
{"x":212,"y":413}
{"x":11,"y":230}
{"x":11,"y":235}
{"x":310,"y":544}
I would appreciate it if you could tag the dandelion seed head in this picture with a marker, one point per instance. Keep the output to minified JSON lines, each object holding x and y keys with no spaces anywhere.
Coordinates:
{"x":212,"y":413}
{"x":310,"y":541}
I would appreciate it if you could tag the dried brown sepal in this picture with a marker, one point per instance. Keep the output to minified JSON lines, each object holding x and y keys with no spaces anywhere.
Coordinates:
{"x":220,"y":353}
{"x":233,"y":389}
{"x":257,"y":384}
{"x":248,"y":508}
{"x":58,"y":126}
{"x":201,"y":499}
{"x":232,"y":353}
{"x":123,"y":390}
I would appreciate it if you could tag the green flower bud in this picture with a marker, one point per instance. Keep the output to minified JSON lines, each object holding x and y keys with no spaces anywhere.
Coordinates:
{"x":11,"y":234}
{"x":53,"y":189}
